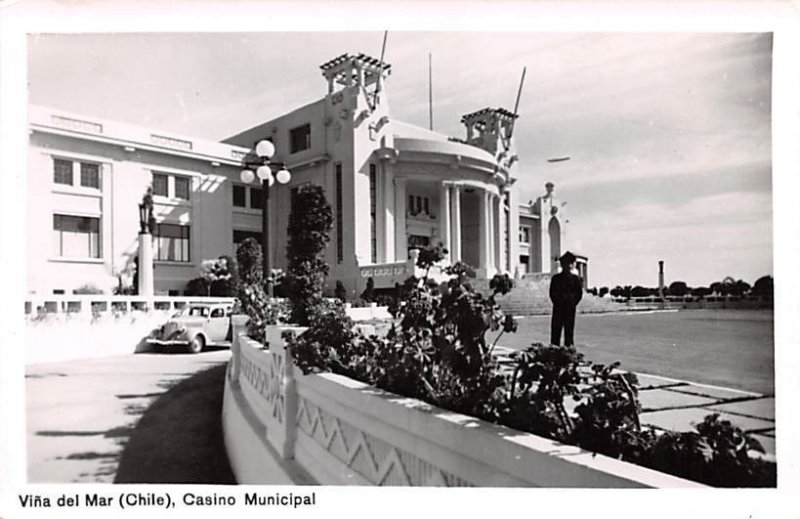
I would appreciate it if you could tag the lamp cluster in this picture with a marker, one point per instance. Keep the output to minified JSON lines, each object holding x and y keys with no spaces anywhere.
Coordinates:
{"x":265,"y":151}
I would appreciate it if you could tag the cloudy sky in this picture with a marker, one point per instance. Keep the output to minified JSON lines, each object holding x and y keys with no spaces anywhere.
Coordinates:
{"x":668,"y":134}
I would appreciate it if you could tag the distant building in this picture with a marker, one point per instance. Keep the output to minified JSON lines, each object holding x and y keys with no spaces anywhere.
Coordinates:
{"x":393,"y":187}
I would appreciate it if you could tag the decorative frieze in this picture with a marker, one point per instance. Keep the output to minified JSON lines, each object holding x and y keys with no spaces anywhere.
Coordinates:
{"x":171,"y":142}
{"x":78,"y":125}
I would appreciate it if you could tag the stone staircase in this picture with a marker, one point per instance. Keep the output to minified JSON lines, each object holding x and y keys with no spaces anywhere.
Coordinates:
{"x":530,"y":296}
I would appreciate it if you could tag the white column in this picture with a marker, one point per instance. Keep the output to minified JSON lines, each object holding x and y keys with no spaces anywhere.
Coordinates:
{"x":400,"y":239}
{"x":444,"y":214}
{"x":492,"y":249}
{"x":483,"y":234}
{"x":455,"y":249}
{"x":513,"y":235}
{"x":498,"y":234}
{"x":503,"y":241}
{"x":380,"y":216}
{"x":389,"y":214}
{"x":145,"y":264}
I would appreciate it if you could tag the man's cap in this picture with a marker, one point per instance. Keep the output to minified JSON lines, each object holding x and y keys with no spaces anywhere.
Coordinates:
{"x":568,"y":257}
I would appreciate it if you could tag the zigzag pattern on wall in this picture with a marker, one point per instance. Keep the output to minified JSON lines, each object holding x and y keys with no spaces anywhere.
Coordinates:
{"x":376,"y":460}
{"x":267,"y":382}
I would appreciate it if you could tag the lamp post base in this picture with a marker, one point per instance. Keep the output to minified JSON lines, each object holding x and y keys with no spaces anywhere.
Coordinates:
{"x":145,"y":287}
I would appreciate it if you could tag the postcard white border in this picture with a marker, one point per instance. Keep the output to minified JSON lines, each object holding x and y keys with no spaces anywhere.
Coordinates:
{"x":781,"y":17}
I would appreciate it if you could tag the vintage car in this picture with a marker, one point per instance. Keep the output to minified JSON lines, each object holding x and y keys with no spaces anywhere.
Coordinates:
{"x":196,"y":326}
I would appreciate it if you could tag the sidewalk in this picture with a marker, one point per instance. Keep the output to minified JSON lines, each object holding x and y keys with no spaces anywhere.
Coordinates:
{"x":676,"y":404}
{"x":125,"y":418}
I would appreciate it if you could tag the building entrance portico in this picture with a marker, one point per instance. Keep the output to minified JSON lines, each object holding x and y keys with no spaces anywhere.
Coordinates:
{"x":464,"y":217}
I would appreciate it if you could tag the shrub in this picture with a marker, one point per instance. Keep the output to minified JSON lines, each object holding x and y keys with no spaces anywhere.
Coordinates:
{"x":197,"y":287}
{"x":368,"y":294}
{"x":310,"y":222}
{"x":437,"y":352}
{"x":87,"y":288}
{"x":340,"y":292}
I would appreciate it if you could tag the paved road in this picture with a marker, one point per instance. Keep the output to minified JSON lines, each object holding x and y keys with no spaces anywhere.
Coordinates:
{"x":81,"y":414}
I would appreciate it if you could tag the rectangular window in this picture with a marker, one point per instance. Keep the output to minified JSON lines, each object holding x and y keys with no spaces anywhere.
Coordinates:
{"x":339,"y":222}
{"x":183,"y":186}
{"x":524,"y":234}
{"x":76,"y":236}
{"x":62,"y":171}
{"x":171,"y":242}
{"x":256,"y":198}
{"x":90,"y":175}
{"x":239,"y":196}
{"x":373,"y":213}
{"x":300,"y":138}
{"x":160,"y":184}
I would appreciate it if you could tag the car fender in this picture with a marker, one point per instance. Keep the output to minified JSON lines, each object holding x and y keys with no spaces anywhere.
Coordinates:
{"x":194,"y":333}
{"x":194,"y":329}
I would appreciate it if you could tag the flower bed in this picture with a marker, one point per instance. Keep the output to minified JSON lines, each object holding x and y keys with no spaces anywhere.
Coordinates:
{"x":438,"y":354}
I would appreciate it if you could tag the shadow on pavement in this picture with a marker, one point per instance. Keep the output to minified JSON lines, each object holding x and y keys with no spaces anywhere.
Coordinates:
{"x":179,"y":438}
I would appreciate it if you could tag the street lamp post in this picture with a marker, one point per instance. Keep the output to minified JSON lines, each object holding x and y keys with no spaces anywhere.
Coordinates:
{"x":145,"y":274}
{"x":268,"y":172}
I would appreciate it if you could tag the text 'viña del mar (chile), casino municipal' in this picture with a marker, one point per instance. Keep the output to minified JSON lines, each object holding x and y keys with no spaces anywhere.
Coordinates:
{"x":393,"y":188}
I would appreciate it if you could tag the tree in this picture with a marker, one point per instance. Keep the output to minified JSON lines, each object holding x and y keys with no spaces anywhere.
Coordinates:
{"x":678,"y":288}
{"x":740,"y":288}
{"x":250,"y":258}
{"x":701,"y":292}
{"x":251,"y":292}
{"x":764,"y":287}
{"x":310,"y":222}
{"x":228,"y":284}
{"x":727,"y":285}
{"x":603,"y":291}
{"x":214,"y":271}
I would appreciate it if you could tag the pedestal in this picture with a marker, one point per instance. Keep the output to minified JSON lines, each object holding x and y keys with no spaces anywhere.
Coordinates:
{"x":145,"y":264}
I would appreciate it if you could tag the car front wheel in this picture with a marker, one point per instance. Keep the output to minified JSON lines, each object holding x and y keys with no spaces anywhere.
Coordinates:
{"x":197,"y":344}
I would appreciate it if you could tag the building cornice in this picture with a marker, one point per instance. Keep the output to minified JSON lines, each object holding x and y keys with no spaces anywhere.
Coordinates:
{"x":132,"y":138}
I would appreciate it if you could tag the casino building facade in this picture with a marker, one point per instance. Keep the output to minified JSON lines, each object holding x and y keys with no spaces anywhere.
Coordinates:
{"x":393,"y":187}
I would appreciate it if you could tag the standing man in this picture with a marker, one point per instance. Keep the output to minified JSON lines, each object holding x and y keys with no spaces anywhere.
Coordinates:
{"x":566,"y":290}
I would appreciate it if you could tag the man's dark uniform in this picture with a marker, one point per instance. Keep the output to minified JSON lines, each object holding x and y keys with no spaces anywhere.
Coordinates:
{"x":566,"y":290}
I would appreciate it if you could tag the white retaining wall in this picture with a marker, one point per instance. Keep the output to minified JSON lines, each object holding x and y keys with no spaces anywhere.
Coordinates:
{"x":333,"y":430}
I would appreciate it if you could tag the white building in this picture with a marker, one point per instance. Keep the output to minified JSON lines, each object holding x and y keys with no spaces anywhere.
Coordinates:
{"x":392,"y":186}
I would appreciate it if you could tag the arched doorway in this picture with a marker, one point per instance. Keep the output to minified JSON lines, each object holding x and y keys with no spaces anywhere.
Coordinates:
{"x":554,"y":231}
